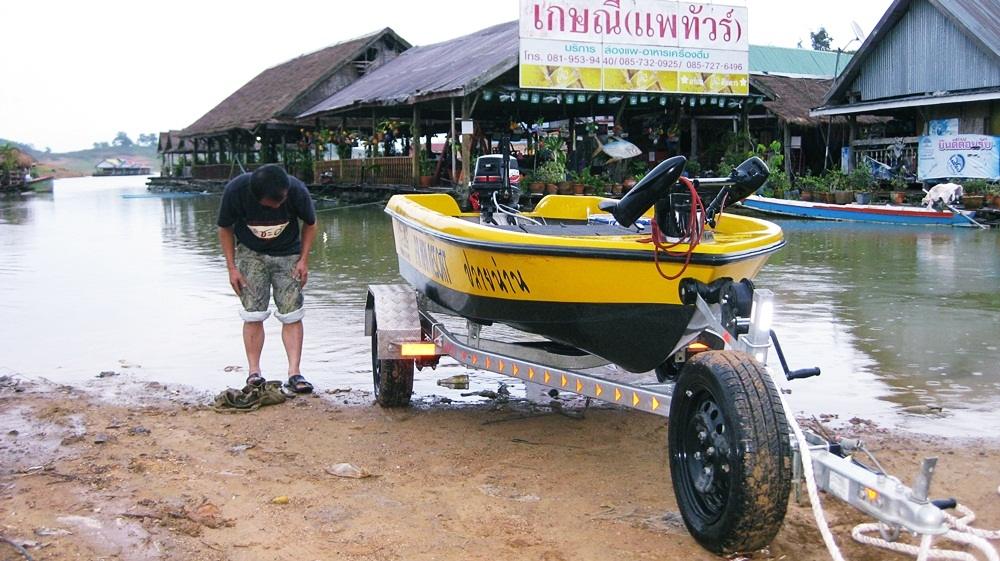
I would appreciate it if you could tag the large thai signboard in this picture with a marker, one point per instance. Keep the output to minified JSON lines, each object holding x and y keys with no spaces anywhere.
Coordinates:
{"x":634,"y":46}
{"x":961,"y":155}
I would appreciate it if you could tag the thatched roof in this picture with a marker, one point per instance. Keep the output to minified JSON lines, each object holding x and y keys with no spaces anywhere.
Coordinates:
{"x":791,"y":99}
{"x":171,"y":142}
{"x":268,"y":97}
{"x":449,"y":69}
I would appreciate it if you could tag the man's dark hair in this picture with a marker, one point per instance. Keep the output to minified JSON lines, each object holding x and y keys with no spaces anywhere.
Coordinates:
{"x":269,"y":182}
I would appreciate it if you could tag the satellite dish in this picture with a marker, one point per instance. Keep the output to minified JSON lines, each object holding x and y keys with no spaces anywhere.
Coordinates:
{"x":858,"y":33}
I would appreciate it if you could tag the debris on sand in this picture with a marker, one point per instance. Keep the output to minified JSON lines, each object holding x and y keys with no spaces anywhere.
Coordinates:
{"x":347,"y":470}
{"x":280,"y":500}
{"x":108,"y":374}
{"x":207,"y":514}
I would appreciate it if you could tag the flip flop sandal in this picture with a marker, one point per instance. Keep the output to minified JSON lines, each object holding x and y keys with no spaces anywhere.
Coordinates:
{"x":255,"y":380}
{"x":298,"y":384}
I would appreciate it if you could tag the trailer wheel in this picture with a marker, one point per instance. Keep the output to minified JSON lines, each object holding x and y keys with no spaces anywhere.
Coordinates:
{"x":730,"y":454}
{"x":393,"y":377}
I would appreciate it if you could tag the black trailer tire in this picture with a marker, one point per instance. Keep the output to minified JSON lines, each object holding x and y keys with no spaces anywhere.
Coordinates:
{"x":393,"y":378}
{"x":730,"y":453}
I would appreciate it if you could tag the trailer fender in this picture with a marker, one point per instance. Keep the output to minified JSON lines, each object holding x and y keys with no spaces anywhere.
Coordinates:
{"x":392,"y":309}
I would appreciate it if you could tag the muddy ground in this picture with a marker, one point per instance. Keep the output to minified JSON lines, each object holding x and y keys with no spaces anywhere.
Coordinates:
{"x":165,"y":477}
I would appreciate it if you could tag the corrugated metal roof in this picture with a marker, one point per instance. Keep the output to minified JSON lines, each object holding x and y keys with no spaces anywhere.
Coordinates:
{"x":796,"y":62}
{"x":977,"y":20}
{"x":980,"y":18}
{"x":450,"y":68}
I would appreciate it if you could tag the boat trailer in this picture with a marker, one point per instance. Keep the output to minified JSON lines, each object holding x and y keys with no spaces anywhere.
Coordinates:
{"x":406,"y":332}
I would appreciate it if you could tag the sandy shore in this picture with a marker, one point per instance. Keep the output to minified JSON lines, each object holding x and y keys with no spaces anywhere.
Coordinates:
{"x":165,"y":477}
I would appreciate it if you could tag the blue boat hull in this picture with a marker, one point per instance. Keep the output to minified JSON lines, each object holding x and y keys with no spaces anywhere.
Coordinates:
{"x":882,"y":214}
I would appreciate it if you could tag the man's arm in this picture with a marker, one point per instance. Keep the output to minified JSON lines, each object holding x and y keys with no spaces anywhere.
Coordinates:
{"x":302,"y":267}
{"x":228,"y":241}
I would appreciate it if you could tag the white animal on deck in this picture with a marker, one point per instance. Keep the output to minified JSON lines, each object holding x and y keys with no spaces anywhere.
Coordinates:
{"x":948,"y":193}
{"x":617,"y":150}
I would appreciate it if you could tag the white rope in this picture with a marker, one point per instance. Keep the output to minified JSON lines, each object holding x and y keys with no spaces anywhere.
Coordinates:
{"x":962,"y":532}
{"x":861,"y":531}
{"x":807,"y":470}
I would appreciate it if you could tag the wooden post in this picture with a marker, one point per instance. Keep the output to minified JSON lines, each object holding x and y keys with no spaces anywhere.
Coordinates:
{"x":415,"y":144}
{"x":786,"y":129}
{"x":694,"y":138}
{"x":454,"y":156}
{"x":466,"y":151}
{"x":852,"y":122}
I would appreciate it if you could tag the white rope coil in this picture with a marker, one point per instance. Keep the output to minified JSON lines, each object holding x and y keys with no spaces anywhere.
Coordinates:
{"x":961,"y":531}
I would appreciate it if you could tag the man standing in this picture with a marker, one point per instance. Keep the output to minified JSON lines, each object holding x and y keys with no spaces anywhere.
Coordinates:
{"x":261,"y":240}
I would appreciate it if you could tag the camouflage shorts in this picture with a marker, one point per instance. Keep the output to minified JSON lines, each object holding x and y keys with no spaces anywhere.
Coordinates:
{"x":262,"y":273}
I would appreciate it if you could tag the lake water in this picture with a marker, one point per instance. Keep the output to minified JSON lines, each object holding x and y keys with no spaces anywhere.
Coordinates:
{"x":898,"y":318}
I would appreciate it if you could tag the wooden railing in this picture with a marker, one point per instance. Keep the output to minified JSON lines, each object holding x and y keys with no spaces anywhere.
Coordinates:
{"x":392,"y":170}
{"x":225,"y":172}
{"x":887,"y":150}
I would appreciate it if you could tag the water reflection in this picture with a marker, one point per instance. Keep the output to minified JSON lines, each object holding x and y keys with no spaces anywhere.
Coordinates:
{"x":907,"y":315}
{"x":92,"y":281}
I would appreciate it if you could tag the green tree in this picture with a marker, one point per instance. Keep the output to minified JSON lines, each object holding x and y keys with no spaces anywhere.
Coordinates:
{"x":100,"y":145}
{"x":820,"y":39}
{"x":148,"y":139}
{"x":122,"y":139}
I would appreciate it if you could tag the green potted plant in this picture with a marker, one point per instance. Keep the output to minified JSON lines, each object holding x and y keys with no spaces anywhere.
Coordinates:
{"x":860,"y":182}
{"x":994,"y":195}
{"x":897,"y":193}
{"x":534,"y":183}
{"x":426,"y":170}
{"x":974,"y":193}
{"x":553,"y":174}
{"x":808,"y":185}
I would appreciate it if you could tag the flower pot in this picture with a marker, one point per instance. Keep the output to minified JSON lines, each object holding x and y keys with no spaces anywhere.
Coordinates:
{"x":897,"y":197}
{"x":578,"y":188}
{"x":972,"y":202}
{"x":565,"y":188}
{"x":426,"y":180}
{"x":628,"y":184}
{"x":996,"y":201}
{"x":536,"y":187}
{"x":806,"y":196}
{"x":843,"y":197}
{"x":617,"y":188}
{"x":862,"y":198}
{"x":551,"y":188}
{"x":589,"y":189}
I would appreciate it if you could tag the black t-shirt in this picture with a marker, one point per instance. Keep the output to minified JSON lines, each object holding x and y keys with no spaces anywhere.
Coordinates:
{"x":271,"y":231}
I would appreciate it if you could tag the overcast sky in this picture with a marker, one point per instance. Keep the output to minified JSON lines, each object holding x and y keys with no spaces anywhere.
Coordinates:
{"x":74,"y":73}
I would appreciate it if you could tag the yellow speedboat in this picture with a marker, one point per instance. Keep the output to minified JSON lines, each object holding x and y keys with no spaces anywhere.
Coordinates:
{"x":585,"y":271}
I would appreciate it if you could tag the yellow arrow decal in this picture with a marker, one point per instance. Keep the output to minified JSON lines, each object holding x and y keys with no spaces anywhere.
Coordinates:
{"x":475,"y":359}
{"x":514,"y":369}
{"x":579,"y":386}
{"x":531,"y":373}
{"x":563,"y":380}
{"x":547,"y":376}
{"x":618,"y":395}
{"x":500,"y":366}
{"x":656,"y":404}
{"x":598,"y":390}
{"x":635,"y":399}
{"x":487,"y":363}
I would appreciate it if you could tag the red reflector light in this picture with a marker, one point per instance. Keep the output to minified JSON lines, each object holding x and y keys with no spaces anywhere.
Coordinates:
{"x":418,"y":349}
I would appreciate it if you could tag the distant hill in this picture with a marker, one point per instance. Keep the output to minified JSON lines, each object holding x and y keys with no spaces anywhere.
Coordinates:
{"x":82,"y":162}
